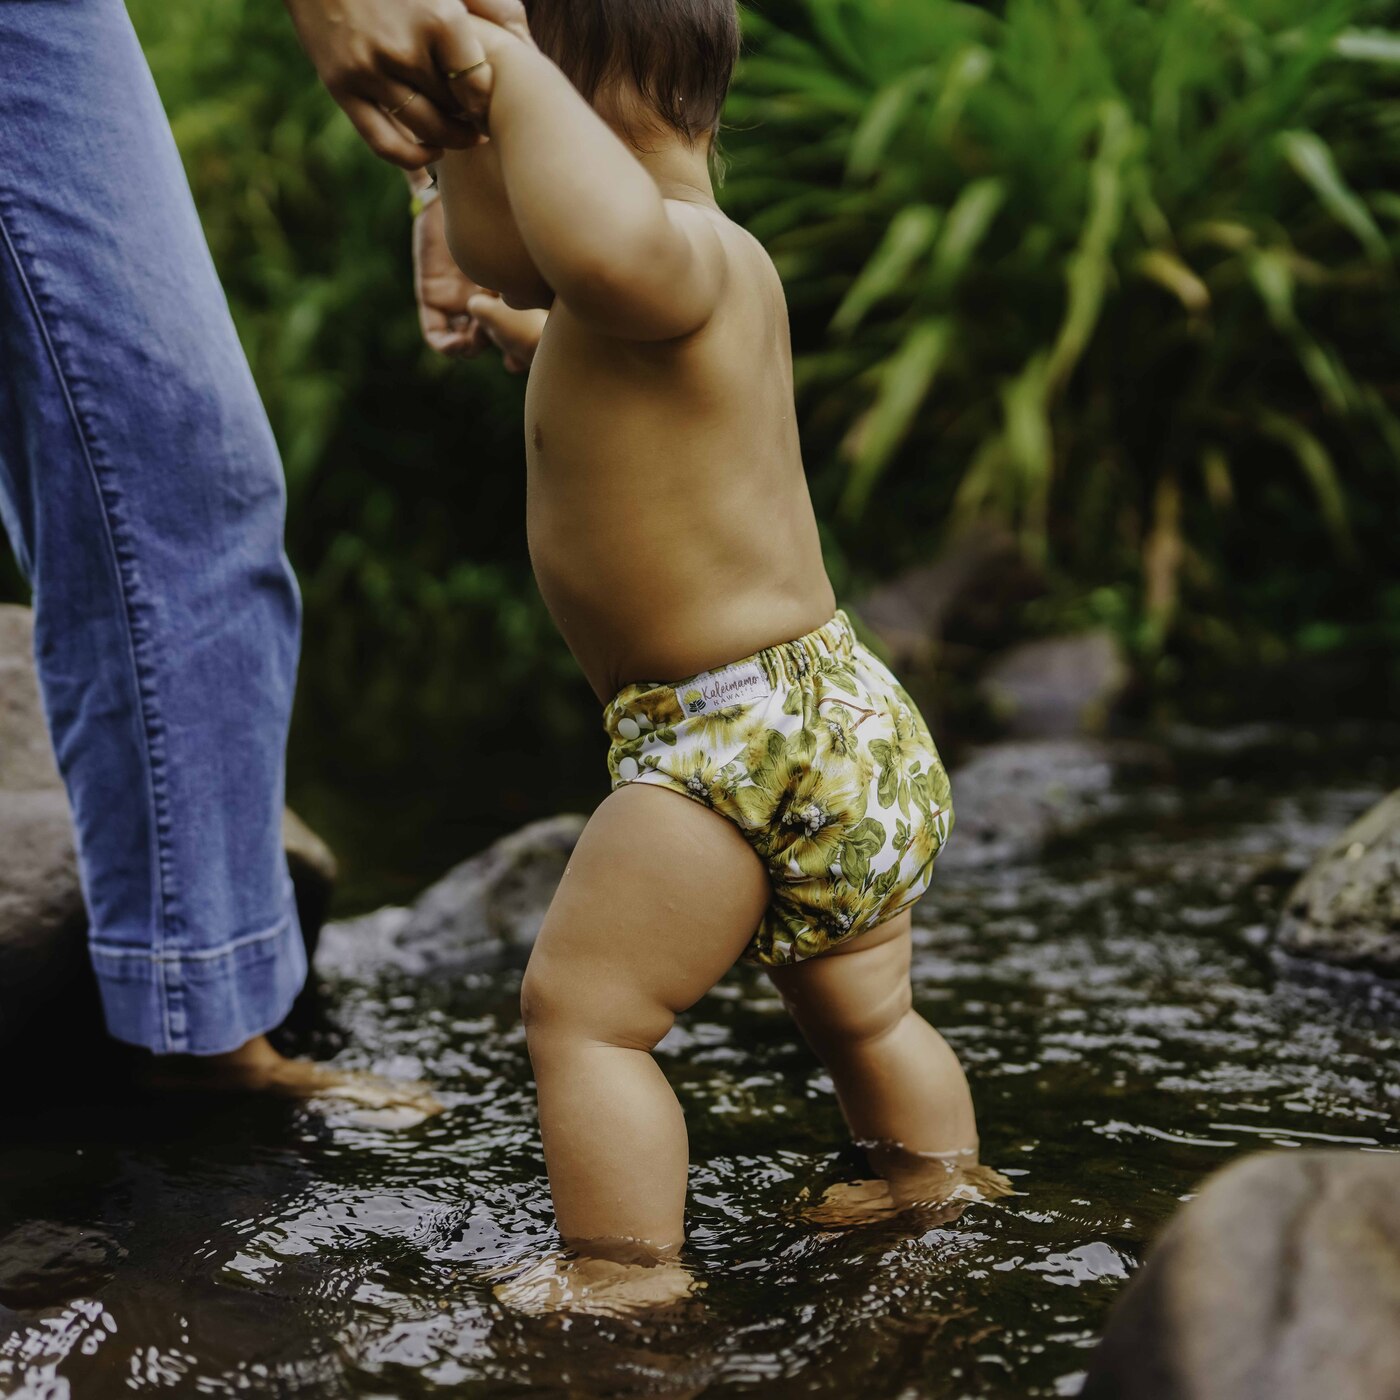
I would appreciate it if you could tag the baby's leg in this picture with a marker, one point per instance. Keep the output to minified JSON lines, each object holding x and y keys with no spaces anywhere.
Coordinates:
{"x":659,"y":900}
{"x":900,"y":1086}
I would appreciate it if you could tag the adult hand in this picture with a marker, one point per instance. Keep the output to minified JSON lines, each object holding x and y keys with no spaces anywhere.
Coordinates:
{"x":400,"y":68}
{"x":515,"y":333}
{"x":459,"y":318}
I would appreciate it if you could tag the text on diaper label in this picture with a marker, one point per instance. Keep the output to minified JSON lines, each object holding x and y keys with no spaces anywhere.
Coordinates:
{"x":716,"y":690}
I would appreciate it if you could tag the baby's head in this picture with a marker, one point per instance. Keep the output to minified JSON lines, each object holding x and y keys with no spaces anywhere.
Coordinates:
{"x":650,"y":67}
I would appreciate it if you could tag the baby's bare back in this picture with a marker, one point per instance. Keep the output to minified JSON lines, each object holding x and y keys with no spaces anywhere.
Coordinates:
{"x":669,"y":520}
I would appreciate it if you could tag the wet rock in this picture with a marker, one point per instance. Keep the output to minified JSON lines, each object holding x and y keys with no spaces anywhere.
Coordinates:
{"x":42,"y":918}
{"x":485,"y":912}
{"x":972,"y":593}
{"x":1346,"y":909}
{"x":44,"y":1262}
{"x":1280,"y":1281}
{"x":1013,"y":798}
{"x":43,"y":923}
{"x":1056,"y":686}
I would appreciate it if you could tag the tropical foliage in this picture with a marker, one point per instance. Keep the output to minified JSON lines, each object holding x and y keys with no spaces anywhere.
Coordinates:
{"x":1119,"y":273}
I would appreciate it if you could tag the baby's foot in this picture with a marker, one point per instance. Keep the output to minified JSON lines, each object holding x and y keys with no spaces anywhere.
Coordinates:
{"x":257,"y":1068}
{"x":603,"y":1287}
{"x":939,"y":1198}
{"x":852,"y":1203}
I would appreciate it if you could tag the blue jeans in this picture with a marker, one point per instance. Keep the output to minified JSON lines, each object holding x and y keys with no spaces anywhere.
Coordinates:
{"x":141,"y":489}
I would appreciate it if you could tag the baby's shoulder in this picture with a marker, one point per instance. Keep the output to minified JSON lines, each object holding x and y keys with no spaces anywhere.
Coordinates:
{"x":752,"y":283}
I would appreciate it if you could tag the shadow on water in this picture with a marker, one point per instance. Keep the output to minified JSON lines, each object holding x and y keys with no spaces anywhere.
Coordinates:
{"x":1123,"y":1026}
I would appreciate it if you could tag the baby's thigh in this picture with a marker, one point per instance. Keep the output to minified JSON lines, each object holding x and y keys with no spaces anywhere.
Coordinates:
{"x":857,"y":991}
{"x":660,"y":898}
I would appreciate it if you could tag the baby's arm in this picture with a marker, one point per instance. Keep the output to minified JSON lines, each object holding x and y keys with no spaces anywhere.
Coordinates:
{"x":590,"y":216}
{"x":481,"y":231}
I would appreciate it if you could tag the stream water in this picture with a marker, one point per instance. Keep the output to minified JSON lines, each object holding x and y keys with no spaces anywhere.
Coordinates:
{"x":1124,"y":1028}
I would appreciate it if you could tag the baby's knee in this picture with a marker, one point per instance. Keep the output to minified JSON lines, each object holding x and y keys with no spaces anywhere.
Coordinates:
{"x":834,"y":1018}
{"x":561,"y":1003}
{"x":545,"y":1004}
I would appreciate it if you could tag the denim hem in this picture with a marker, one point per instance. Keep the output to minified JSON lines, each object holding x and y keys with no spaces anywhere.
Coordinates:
{"x":202,"y":1001}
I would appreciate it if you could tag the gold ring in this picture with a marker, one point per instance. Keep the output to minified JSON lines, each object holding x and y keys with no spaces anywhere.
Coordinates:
{"x":470,"y":68}
{"x":394,"y":111}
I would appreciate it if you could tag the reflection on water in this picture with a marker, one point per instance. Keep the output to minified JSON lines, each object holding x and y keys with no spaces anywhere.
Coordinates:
{"x":1123,"y":1031}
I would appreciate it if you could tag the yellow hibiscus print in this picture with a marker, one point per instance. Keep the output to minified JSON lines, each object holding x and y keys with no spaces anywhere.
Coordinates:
{"x":822,"y":761}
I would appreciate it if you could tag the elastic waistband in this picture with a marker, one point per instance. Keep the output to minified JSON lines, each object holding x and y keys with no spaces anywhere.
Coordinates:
{"x":782,"y":665}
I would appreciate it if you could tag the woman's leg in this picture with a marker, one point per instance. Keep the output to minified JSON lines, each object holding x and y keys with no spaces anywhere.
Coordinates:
{"x":900,"y":1086}
{"x":659,"y":900}
{"x":141,"y":488}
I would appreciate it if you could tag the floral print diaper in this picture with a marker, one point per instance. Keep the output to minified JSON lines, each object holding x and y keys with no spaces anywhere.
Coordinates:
{"x":817,"y":754}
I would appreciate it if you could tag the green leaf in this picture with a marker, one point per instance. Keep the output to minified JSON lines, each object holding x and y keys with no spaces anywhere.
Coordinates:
{"x":966,"y":226}
{"x":1164,"y":267}
{"x":888,"y":785}
{"x":886,"y":113}
{"x":909,"y":236}
{"x":868,"y":834}
{"x":972,"y":67}
{"x":836,"y":93}
{"x":1319,"y":469}
{"x":1368,"y":45}
{"x":1273,"y":280}
{"x":905,"y":380}
{"x":1089,"y":268}
{"x":855,"y":865}
{"x":1029,"y":444}
{"x":1312,"y":158}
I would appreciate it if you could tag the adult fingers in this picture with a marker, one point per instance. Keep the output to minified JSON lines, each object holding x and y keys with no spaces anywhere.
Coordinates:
{"x":446,"y":333}
{"x":517,"y":333}
{"x":423,"y":119}
{"x":461,"y":58}
{"x":387,"y":139}
{"x":509,"y":14}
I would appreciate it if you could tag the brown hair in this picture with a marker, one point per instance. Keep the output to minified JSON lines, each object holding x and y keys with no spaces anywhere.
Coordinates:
{"x":679,"y":54}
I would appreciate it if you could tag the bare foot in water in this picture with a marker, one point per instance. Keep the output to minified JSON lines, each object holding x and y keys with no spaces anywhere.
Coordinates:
{"x":603,"y":1287}
{"x":257,"y":1068}
{"x":935,"y":1187}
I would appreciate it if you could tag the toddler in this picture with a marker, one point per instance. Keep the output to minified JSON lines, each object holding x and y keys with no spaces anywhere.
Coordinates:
{"x":776,"y":796}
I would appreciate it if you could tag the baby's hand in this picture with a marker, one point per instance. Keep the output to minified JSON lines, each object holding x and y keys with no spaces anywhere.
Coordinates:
{"x":474,"y":85}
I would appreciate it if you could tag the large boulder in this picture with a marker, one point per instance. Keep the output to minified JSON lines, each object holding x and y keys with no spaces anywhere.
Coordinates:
{"x":1012,"y":799}
{"x":43,"y":923}
{"x":1280,"y":1281}
{"x":1056,"y":687}
{"x":1346,"y":909}
{"x":485,"y":912}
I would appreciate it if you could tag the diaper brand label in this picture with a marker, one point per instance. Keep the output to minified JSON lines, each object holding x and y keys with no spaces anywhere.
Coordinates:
{"x":716,"y":690}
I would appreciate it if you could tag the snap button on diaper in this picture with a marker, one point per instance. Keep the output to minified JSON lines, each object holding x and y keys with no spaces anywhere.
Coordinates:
{"x":628,"y":727}
{"x":627,"y":769}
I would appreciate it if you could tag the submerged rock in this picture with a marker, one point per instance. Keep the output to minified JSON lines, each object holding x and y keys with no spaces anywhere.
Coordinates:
{"x":1056,"y":686}
{"x":1346,"y":909}
{"x":43,"y":922}
{"x":485,"y":912}
{"x":1011,"y":799}
{"x":43,"y":1262}
{"x":1280,"y":1281}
